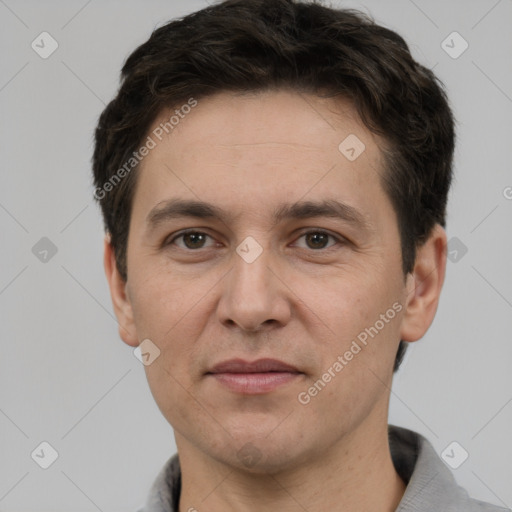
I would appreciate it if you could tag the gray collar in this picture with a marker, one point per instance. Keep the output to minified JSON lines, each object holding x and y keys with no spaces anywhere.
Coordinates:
{"x":430,"y":484}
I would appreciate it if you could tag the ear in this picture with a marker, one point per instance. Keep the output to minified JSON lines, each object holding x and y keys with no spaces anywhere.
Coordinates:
{"x":120,"y":299}
{"x":424,"y":285}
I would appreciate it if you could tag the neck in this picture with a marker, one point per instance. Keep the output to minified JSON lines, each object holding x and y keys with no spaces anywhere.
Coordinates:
{"x":356,"y":474}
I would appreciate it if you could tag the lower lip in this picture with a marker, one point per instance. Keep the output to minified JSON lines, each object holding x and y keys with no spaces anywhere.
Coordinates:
{"x":254,"y":383}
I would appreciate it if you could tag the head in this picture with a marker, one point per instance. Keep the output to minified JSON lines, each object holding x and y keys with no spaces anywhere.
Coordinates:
{"x":251,"y":106}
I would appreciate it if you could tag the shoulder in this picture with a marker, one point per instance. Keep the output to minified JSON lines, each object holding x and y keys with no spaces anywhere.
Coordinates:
{"x":430,"y":483}
{"x":480,"y":506}
{"x":472,"y":505}
{"x":164,"y":494}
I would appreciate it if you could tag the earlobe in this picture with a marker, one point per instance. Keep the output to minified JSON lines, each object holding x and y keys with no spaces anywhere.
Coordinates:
{"x":120,"y":299}
{"x":424,"y":286}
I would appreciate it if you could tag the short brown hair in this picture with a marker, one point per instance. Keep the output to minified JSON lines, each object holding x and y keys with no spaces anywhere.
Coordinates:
{"x":252,"y":45}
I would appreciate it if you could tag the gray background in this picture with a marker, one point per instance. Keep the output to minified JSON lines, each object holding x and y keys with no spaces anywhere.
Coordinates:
{"x":65,"y":376}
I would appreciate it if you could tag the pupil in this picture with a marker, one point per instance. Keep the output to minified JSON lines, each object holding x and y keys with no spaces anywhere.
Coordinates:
{"x":192,"y":236}
{"x":317,"y":240}
{"x":315,"y":237}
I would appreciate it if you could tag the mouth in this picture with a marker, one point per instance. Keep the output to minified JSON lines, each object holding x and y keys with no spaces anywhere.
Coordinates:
{"x":253,"y":378}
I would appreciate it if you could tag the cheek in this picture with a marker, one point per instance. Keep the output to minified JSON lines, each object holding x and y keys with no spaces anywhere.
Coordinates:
{"x":361,"y":319}
{"x":344,"y":402}
{"x":171,"y":317}
{"x":169,"y":390}
{"x":161,"y":300}
{"x":346,"y":302}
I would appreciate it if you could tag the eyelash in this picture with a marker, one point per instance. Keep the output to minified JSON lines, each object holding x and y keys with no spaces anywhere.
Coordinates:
{"x":338,"y":240}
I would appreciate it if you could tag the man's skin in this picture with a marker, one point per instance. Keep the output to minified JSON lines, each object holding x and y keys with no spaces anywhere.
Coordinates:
{"x":298,"y":302}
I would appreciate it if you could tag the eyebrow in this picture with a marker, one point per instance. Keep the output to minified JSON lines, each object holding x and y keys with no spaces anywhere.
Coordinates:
{"x":332,"y":208}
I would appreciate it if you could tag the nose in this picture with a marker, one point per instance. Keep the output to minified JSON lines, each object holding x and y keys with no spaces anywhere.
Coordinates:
{"x":254,"y":295}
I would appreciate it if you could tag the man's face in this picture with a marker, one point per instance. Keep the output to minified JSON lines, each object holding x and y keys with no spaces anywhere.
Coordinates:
{"x":252,"y":285}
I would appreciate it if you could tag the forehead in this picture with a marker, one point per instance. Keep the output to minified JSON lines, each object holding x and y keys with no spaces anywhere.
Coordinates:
{"x":236,"y":121}
{"x":250,"y":150}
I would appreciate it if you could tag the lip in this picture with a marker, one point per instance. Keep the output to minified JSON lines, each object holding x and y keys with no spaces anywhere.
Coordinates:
{"x":258,"y":366}
{"x":253,"y":378}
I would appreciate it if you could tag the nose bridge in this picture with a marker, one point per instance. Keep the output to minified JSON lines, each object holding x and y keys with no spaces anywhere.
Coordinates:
{"x":251,"y":294}
{"x":251,"y":267}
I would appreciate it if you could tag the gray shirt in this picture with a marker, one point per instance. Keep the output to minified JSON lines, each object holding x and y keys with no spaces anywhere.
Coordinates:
{"x":430,"y":484}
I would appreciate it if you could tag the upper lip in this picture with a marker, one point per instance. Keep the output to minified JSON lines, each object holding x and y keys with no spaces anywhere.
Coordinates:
{"x":259,"y":366}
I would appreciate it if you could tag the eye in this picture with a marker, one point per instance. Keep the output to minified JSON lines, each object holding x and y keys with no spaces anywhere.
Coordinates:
{"x":191,"y":240}
{"x":318,"y":239}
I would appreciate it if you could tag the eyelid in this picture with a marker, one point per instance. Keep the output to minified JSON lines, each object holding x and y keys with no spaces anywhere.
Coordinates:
{"x":172,"y":238}
{"x":340,"y":240}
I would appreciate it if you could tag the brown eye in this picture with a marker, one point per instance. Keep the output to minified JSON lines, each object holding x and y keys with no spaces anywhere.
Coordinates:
{"x":194,"y":240}
{"x":190,"y":240}
{"x":317,"y":240}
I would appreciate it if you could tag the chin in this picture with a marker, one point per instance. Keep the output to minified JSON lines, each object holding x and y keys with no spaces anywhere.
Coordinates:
{"x":260,"y":455}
